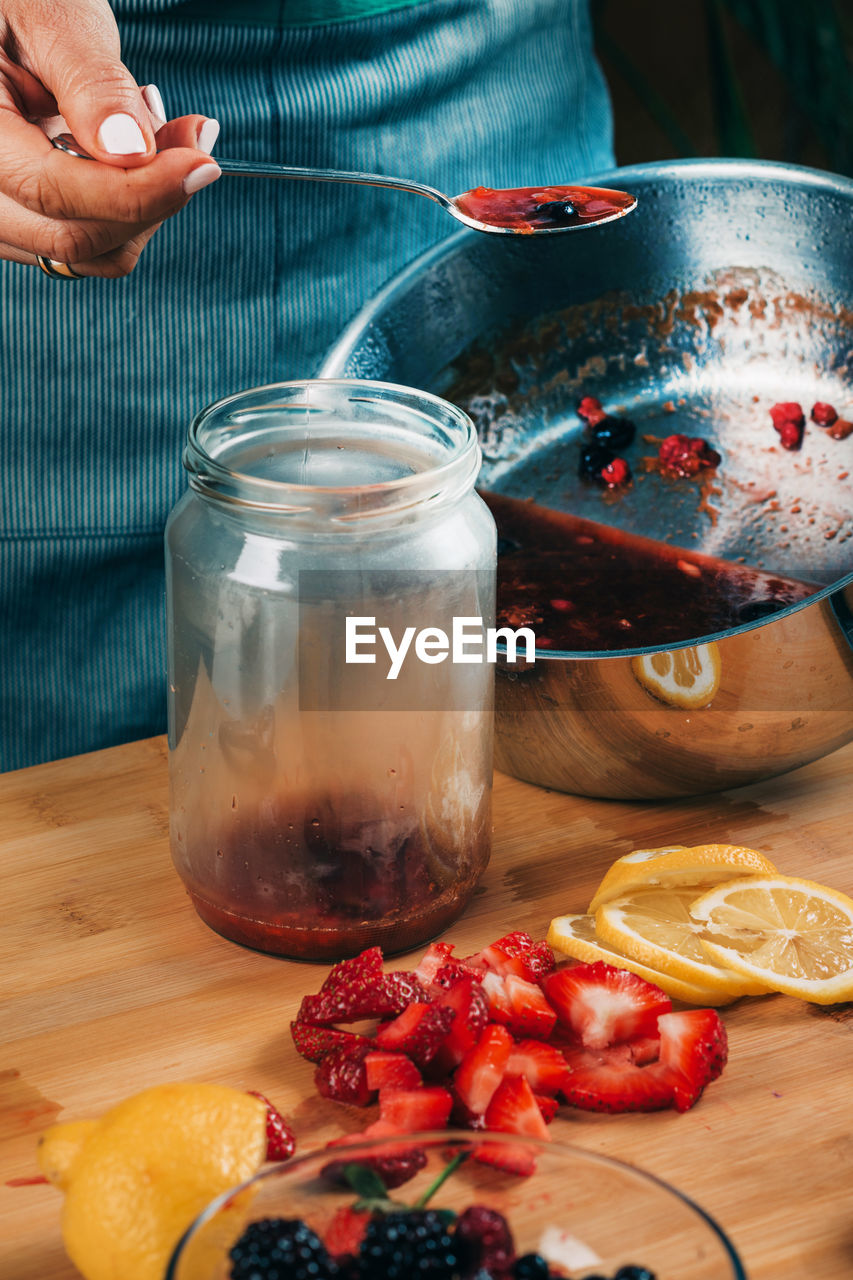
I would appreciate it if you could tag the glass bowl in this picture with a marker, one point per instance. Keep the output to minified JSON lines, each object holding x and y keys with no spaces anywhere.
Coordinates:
{"x":587,"y":1214}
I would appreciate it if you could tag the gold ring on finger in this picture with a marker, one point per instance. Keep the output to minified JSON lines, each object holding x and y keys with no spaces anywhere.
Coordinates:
{"x":57,"y":270}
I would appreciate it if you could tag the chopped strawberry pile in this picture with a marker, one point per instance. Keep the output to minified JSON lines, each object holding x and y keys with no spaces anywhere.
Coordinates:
{"x":498,"y":1039}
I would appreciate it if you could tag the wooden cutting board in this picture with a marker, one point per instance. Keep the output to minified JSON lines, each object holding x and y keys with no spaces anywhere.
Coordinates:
{"x":109,"y":983}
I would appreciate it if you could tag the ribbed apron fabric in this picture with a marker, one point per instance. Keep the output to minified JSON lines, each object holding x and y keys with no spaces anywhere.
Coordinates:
{"x":249,"y":284}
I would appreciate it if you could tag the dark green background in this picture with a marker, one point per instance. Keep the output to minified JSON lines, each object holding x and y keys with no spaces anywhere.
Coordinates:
{"x":771,"y":79}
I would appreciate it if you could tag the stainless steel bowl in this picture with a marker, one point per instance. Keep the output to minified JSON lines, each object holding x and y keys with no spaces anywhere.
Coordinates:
{"x":730,"y":288}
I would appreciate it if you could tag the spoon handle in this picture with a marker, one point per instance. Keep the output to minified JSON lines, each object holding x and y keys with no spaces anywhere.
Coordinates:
{"x":262,"y":169}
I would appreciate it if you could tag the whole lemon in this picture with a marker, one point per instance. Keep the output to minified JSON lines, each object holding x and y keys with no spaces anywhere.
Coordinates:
{"x":135,"y":1179}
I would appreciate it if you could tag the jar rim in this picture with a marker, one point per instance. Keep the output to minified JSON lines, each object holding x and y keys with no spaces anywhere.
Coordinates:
{"x":446,"y":477}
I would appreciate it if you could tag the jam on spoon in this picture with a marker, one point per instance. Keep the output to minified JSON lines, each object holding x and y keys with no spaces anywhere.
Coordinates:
{"x":537,"y":209}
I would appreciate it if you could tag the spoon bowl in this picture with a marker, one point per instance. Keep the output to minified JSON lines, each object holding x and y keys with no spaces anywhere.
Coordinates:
{"x":540,"y":210}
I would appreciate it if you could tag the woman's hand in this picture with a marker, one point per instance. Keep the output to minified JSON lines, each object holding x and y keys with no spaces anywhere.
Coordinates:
{"x":60,"y":58}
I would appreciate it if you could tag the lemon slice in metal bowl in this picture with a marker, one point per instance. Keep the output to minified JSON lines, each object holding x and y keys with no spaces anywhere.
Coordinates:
{"x":688,"y":677}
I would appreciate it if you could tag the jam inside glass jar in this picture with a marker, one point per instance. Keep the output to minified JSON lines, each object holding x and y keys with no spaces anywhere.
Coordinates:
{"x":316,"y":809}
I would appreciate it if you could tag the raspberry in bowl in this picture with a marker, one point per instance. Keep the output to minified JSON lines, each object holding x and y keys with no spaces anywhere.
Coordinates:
{"x":472,"y":1204}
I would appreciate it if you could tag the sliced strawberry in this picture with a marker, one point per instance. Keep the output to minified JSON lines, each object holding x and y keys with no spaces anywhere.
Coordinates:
{"x":391,"y":1071}
{"x":400,"y":988}
{"x":482,"y":1069}
{"x":358,"y":970}
{"x":517,"y":953}
{"x":395,"y":1163}
{"x":281,"y":1142}
{"x":530,"y":1012}
{"x":645,"y":1049}
{"x":608,"y":1080}
{"x":346,"y":1230}
{"x":461,"y":1116}
{"x":547,"y":1105}
{"x":417,"y":1032}
{"x":351,"y":999}
{"x":694,"y":1048}
{"x":315,"y":1042}
{"x":379,"y":1129}
{"x":454,"y":970}
{"x":470,"y":1016}
{"x":411,"y":1110}
{"x":341,"y":1075}
{"x":513,"y":1109}
{"x":542,"y":1065}
{"x":604,"y":1005}
{"x":497,"y":998}
{"x":509,"y":1157}
{"x":358,"y":988}
{"x":436,"y":955}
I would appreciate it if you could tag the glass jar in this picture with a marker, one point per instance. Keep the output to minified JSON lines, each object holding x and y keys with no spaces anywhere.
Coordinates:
{"x":319,"y":804}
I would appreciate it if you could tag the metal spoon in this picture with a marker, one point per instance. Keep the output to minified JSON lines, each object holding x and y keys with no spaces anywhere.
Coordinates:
{"x":514,"y":211}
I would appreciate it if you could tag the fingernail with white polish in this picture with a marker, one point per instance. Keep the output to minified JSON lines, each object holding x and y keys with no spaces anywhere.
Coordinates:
{"x":207,"y":135}
{"x":154,"y":103}
{"x":121,"y":136}
{"x":200,"y":177}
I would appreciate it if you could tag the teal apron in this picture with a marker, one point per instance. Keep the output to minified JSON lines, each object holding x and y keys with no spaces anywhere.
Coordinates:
{"x":249,"y":284}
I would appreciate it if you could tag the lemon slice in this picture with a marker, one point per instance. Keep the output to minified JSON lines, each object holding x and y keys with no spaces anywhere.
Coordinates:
{"x":655,"y":927}
{"x":793,"y":935}
{"x":676,"y":865}
{"x":687,"y":677}
{"x":575,"y":936}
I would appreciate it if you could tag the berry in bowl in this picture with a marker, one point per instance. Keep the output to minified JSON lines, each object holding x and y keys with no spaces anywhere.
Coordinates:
{"x":454,"y":1205}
